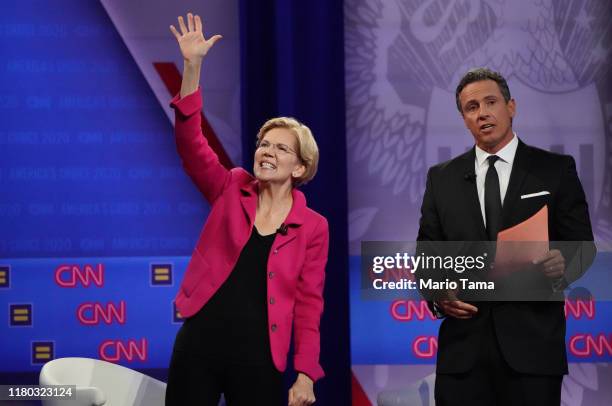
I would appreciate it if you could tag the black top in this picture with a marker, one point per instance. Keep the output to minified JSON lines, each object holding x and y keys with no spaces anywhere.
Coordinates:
{"x":233,"y":325}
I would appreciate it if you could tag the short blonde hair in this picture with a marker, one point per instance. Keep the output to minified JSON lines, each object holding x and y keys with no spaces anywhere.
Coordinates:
{"x":307,"y":150}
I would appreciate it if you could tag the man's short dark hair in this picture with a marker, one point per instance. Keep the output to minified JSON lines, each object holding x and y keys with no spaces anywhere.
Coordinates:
{"x":478,"y":74}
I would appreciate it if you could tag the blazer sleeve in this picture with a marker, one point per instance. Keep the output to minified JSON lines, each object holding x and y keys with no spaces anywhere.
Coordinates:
{"x":430,"y":231}
{"x":309,"y":304}
{"x":199,"y":160}
{"x":572,"y":224}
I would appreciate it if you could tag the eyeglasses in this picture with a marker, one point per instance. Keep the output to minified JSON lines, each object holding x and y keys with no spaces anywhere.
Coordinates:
{"x":282,"y":148}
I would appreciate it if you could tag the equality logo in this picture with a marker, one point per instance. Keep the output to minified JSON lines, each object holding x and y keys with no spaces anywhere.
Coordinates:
{"x":161,"y":274}
{"x":5,"y":276}
{"x":42,"y":351}
{"x":20,"y":315}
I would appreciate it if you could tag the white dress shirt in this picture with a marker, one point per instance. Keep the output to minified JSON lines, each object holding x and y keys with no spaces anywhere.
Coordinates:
{"x":503,"y":166}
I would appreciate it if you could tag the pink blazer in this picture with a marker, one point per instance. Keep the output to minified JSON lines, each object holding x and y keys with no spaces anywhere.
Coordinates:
{"x":296,"y":265}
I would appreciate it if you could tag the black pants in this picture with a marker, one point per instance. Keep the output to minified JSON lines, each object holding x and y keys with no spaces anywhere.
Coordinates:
{"x":491,"y":382}
{"x":195,"y":380}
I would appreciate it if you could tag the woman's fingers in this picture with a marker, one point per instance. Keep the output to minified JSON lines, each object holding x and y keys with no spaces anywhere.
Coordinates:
{"x":190,"y":23}
{"x":177,"y":35}
{"x":198,"y":23}
{"x":214,"y":39}
{"x":301,"y":393}
{"x":182,"y":25}
{"x":194,"y":24}
{"x":298,"y":401}
{"x":291,"y":397}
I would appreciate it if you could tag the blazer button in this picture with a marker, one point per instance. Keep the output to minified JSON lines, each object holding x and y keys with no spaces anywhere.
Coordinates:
{"x":271,"y":300}
{"x":271,"y":274}
{"x":273,"y":327}
{"x":276,"y":251}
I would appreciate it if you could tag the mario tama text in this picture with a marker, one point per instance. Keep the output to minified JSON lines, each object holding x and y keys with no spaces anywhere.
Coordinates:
{"x":431,"y":284}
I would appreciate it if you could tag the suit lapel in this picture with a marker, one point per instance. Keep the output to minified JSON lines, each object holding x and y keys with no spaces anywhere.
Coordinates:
{"x":470,"y":192}
{"x":520,"y":168}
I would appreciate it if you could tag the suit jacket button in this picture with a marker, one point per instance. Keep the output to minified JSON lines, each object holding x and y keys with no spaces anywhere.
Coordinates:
{"x":271,"y":274}
{"x":276,"y":251}
{"x":271,"y":300}
{"x":273,"y":327}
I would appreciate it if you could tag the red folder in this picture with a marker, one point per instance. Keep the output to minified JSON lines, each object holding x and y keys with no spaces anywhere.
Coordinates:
{"x":519,"y":245}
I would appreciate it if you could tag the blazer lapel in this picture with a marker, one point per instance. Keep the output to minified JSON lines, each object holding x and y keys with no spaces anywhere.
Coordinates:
{"x":282,"y":240}
{"x":520,"y":168}
{"x":294,"y":219}
{"x":470,"y":192}
{"x":248,"y":200}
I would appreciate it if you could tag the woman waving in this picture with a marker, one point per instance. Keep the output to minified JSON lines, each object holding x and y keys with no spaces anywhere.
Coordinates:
{"x":257,"y":272}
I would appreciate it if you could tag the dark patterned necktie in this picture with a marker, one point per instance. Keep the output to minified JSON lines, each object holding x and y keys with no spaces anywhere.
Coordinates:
{"x":492,"y":200}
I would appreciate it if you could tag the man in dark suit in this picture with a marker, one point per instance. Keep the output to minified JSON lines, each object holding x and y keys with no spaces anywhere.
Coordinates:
{"x":502,"y":353}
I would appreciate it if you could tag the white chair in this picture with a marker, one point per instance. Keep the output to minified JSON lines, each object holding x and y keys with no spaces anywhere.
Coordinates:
{"x":101,"y":383}
{"x":419,"y":393}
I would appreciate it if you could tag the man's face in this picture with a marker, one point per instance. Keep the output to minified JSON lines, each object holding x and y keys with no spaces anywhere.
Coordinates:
{"x":487,"y":115}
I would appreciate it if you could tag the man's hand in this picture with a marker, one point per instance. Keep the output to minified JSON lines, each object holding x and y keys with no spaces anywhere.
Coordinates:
{"x":552,"y":264}
{"x":302,"y":392}
{"x":455,"y":308}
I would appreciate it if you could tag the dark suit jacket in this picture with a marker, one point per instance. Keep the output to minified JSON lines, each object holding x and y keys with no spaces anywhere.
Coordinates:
{"x":531,"y":335}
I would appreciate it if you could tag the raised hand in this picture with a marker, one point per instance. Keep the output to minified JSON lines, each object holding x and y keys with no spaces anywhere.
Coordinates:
{"x":191,"y":39}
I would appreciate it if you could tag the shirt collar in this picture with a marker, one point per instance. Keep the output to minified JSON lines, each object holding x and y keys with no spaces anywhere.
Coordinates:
{"x":506,"y":154}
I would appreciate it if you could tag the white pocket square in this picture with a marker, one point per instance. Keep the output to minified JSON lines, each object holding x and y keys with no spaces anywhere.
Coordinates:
{"x":542,"y":193}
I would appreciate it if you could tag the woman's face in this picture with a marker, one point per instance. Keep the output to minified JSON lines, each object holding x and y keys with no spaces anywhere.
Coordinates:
{"x":276,"y":158}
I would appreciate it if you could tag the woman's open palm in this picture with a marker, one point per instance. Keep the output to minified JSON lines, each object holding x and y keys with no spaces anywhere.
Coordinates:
{"x":191,"y":38}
